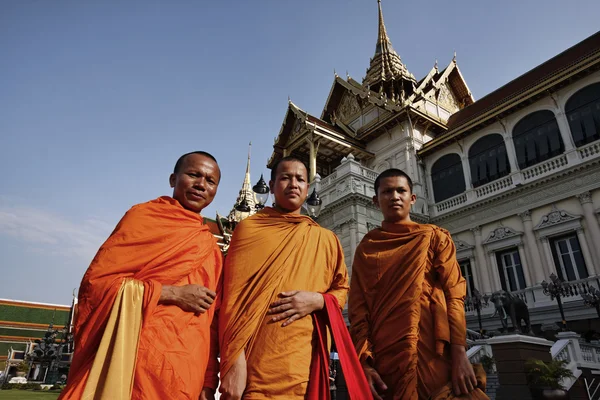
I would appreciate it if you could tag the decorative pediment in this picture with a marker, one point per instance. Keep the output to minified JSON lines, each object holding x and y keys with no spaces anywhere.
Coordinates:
{"x":348,"y":107}
{"x":447,"y":99}
{"x":556,"y":217}
{"x":501,"y":233}
{"x":462,"y":245}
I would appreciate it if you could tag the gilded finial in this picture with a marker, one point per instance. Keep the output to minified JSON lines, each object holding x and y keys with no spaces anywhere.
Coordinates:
{"x":335,"y":73}
{"x":436,"y":64}
{"x":454,"y":58}
{"x":347,"y":75}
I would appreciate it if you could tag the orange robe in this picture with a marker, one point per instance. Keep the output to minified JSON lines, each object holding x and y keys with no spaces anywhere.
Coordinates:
{"x":271,"y":253}
{"x":406,"y":306}
{"x":156,"y":243}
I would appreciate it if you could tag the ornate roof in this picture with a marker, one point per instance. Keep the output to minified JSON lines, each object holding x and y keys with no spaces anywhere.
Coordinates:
{"x":386,"y":70}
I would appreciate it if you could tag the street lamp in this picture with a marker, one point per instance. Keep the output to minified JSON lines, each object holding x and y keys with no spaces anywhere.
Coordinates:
{"x":313,"y":204}
{"x":243,"y":206}
{"x":261,"y":191}
{"x":592,"y":298}
{"x":557,"y":289}
{"x":478,"y":302}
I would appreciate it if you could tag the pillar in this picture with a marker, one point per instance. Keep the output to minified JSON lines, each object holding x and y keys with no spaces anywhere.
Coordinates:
{"x":539,"y":273}
{"x":511,"y":352}
{"x":593,"y":229}
{"x":585,"y":251}
{"x":466,"y":171}
{"x":510,"y":151}
{"x":312,"y":158}
{"x":495,"y":275}
{"x":549,"y":258}
{"x":481,"y":261}
{"x":525,"y":265}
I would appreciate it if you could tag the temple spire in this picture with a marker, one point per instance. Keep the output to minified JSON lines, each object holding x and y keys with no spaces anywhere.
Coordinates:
{"x":386,"y":67}
{"x":245,"y":203}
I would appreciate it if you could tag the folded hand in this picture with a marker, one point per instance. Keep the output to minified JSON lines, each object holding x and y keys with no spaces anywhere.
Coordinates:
{"x":295,"y":305}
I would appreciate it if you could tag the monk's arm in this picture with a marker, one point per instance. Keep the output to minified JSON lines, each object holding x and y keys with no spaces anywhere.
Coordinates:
{"x":454,"y":286}
{"x":339,"y":286}
{"x":359,"y":323}
{"x":211,"y":377}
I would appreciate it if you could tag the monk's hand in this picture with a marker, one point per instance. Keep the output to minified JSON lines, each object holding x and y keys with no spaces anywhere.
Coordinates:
{"x":207,"y":394}
{"x":233,"y":382}
{"x":463,"y":377}
{"x":295,"y":305}
{"x":375,"y":382}
{"x":191,"y":298}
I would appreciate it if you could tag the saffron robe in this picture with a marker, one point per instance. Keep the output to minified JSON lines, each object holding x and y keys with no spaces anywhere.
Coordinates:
{"x":156,"y":243}
{"x":270,"y":253}
{"x":406,"y":306}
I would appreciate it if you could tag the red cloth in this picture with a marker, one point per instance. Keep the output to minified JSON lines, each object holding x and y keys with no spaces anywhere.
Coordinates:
{"x":318,"y":388}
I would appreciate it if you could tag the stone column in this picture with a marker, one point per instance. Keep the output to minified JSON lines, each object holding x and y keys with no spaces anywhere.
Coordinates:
{"x":585,"y":251}
{"x":593,"y":229}
{"x":549,"y":258}
{"x":527,"y":273}
{"x":565,"y":133}
{"x":466,"y":171}
{"x":511,"y":352}
{"x":537,"y":267}
{"x":510,"y":151}
{"x":565,"y":130}
{"x":312,"y":159}
{"x":481,"y":262}
{"x":496,"y":283}
{"x":477,"y":281}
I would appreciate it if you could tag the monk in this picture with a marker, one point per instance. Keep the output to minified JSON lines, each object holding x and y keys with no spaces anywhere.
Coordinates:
{"x":277,"y":270}
{"x":406,"y":305}
{"x":145,"y":303}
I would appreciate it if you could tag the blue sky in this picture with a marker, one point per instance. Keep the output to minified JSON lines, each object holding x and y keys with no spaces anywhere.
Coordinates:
{"x":99,"y":98}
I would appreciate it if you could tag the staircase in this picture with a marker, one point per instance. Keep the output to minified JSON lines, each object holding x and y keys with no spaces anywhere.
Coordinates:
{"x":492,"y":384}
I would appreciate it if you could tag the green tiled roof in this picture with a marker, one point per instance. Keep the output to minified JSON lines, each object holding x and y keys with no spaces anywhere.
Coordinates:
{"x":4,"y":347}
{"x":32,"y":314}
{"x":36,"y":334}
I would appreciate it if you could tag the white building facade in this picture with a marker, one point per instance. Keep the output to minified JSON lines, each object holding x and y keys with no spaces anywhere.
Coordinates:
{"x":514,"y":176}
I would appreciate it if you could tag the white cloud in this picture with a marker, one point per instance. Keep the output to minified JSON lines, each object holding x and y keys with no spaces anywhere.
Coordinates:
{"x":51,"y":233}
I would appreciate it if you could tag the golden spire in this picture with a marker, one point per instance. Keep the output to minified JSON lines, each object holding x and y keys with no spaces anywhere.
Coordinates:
{"x":386,"y":65}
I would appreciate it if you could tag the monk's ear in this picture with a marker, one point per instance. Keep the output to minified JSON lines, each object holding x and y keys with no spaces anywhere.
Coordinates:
{"x":271,"y":187}
{"x":172,"y":180}
{"x":375,"y":201}
{"x":413,"y":198}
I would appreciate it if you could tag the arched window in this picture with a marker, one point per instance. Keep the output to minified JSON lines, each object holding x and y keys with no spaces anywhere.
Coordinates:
{"x":537,"y":138}
{"x":447,"y":177}
{"x":583,"y":113}
{"x":488,"y":160}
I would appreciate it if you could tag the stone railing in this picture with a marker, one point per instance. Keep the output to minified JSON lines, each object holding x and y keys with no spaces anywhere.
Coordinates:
{"x":589,"y":150}
{"x":534,"y":297}
{"x":544,"y":168}
{"x":518,"y":177}
{"x":327,"y":181}
{"x":478,"y":350}
{"x":493,"y":187}
{"x":451,"y":202}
